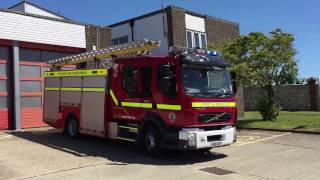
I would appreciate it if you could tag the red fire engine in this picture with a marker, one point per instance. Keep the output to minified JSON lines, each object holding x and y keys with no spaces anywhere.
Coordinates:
{"x":185,"y":100}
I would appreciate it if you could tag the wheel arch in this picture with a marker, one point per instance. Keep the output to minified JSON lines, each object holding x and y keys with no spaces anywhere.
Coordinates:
{"x":153,"y":119}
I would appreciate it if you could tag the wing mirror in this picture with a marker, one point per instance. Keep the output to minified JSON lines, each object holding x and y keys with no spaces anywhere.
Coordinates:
{"x":233,"y":80}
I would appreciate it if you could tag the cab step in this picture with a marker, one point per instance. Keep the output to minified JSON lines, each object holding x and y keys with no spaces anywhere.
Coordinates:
{"x":127,"y":132}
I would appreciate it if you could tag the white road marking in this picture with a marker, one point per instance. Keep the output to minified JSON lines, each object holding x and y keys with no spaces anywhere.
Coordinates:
{"x":5,"y":136}
{"x":258,"y":133}
{"x":264,"y":139}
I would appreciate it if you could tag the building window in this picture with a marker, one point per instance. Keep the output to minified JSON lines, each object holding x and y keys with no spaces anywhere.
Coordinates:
{"x":3,"y":69}
{"x":3,"y":86}
{"x":129,"y":80}
{"x":30,"y":86}
{"x":120,"y":40}
{"x":30,"y":71}
{"x":30,"y":102}
{"x":203,"y":40}
{"x":4,"y":54}
{"x":189,"y":39}
{"x":48,"y":55}
{"x":40,"y":56}
{"x":3,"y":102}
{"x":30,"y":55}
{"x":196,"y":39}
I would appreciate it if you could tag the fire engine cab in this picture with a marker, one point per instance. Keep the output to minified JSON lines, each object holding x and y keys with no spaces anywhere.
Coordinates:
{"x":185,"y":100}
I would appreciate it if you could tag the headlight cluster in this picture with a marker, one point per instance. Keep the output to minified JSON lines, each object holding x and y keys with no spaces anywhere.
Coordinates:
{"x":192,"y":140}
{"x":234,"y":135}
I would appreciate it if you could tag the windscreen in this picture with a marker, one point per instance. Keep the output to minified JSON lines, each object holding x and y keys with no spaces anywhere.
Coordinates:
{"x":206,"y":81}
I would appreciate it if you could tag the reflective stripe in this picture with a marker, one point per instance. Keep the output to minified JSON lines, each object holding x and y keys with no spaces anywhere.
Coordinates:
{"x":169,"y":107}
{"x":90,"y":72}
{"x":75,"y":89}
{"x":52,"y":89}
{"x":93,"y":89}
{"x":131,"y":129}
{"x":70,"y":89}
{"x":114,"y":98}
{"x":130,"y":104}
{"x":126,"y":139}
{"x":135,"y":104}
{"x":213,"y":104}
{"x":146,"y":105}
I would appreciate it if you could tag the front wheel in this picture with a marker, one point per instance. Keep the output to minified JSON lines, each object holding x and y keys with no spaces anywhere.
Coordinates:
{"x":72,"y":127}
{"x":152,"y":141}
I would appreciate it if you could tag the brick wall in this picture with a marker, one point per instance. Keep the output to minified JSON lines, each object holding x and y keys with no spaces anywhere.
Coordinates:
{"x":220,"y":31}
{"x":176,"y":26}
{"x":104,"y":37}
{"x":290,"y":97}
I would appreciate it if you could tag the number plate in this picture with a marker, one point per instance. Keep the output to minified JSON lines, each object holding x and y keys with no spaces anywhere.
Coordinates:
{"x":214,"y":144}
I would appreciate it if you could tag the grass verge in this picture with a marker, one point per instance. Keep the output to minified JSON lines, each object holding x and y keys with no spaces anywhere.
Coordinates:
{"x":295,"y":121}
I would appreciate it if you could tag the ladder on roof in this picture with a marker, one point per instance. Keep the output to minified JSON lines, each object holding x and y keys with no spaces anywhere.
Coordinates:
{"x":133,"y":48}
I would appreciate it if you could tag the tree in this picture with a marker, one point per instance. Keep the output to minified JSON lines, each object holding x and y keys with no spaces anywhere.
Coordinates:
{"x":263,"y":61}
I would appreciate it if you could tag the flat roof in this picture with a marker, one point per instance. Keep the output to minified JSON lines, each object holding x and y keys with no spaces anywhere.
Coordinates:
{"x":170,"y":6}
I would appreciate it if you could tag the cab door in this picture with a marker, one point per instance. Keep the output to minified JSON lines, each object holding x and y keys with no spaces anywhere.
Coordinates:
{"x":126,"y":90}
{"x":145,"y":83}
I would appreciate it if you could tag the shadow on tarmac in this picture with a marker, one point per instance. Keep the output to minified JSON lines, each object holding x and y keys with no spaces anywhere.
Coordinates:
{"x":120,"y":153}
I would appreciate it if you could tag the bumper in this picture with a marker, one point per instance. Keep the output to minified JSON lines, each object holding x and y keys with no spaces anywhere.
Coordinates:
{"x":198,"y":138}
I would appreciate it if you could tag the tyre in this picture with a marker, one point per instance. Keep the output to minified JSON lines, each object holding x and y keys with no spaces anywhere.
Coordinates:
{"x":152,"y":141}
{"x":204,"y":151}
{"x":72,"y":127}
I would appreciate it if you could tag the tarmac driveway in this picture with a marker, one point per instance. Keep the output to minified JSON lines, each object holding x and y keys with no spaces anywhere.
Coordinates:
{"x":46,"y":154}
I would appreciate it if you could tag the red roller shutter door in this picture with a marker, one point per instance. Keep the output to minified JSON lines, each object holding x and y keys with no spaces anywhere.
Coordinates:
{"x":4,"y":111}
{"x":31,"y":89}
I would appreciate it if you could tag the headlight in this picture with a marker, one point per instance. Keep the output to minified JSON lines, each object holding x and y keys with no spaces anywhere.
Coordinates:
{"x":192,"y":139}
{"x":226,"y":127}
{"x":234,"y":135}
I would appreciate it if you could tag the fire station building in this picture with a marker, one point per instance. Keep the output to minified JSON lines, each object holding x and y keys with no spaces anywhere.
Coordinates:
{"x":30,"y":35}
{"x":175,"y":26}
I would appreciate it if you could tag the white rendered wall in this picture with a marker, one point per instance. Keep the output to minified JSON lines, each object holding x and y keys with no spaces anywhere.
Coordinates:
{"x":120,"y":31}
{"x":195,"y":23}
{"x":151,"y":27}
{"x":31,"y":29}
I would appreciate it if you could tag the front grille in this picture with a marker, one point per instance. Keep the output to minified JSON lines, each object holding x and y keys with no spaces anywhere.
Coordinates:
{"x":214,"y":138}
{"x":204,"y":118}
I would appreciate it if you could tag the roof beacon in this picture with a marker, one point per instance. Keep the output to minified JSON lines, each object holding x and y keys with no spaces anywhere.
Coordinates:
{"x":210,"y":53}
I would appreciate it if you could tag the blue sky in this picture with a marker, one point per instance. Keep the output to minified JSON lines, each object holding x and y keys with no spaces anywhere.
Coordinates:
{"x":299,"y":17}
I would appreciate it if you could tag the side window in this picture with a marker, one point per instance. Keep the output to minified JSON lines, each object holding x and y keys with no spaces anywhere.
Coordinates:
{"x":129,"y":80}
{"x":146,"y":77}
{"x":166,"y":79}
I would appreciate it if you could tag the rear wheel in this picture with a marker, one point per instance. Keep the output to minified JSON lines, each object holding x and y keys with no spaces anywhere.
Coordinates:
{"x":72,"y":127}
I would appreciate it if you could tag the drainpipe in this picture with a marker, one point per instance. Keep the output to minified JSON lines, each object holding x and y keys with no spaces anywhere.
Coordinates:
{"x":132,"y":28}
{"x":16,"y":86}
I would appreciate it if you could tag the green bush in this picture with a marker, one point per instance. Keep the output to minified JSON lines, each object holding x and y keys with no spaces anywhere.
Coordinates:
{"x":268,"y":109}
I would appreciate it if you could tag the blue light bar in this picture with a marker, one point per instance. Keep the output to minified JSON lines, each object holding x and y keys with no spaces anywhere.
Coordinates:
{"x":210,"y":53}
